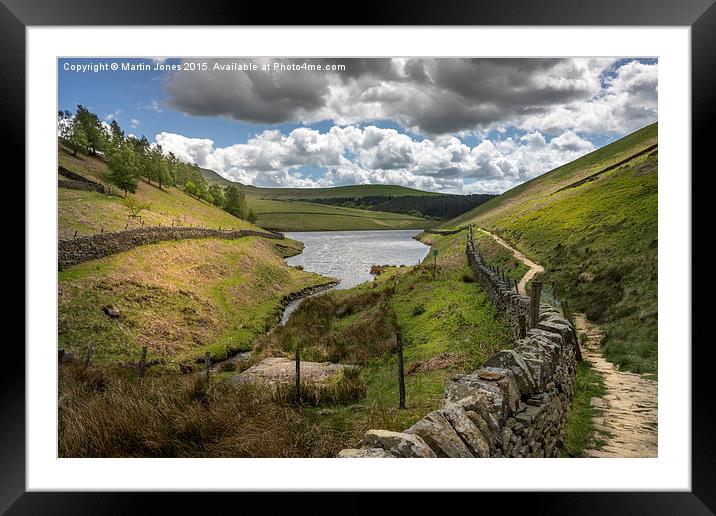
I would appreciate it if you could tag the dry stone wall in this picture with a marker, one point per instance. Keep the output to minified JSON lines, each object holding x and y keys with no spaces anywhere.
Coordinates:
{"x":76,"y":181}
{"x":515,"y":405}
{"x":80,"y":185}
{"x":82,"y":249}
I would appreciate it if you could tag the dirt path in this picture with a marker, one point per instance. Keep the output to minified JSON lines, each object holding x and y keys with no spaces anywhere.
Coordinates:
{"x":534,"y":267}
{"x":628,"y":416}
{"x":628,"y":412}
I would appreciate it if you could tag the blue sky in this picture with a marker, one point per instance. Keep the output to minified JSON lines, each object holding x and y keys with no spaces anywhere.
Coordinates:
{"x":451,"y":125}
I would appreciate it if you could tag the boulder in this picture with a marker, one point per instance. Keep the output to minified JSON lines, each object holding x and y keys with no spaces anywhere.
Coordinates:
{"x":111,"y":310}
{"x":397,"y":444}
{"x":510,"y":359}
{"x":440,"y":436}
{"x":467,"y":430}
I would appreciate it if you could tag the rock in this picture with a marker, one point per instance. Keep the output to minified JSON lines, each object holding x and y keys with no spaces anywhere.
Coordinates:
{"x":397,"y":443}
{"x":111,"y":310}
{"x":482,"y":406}
{"x":563,"y":329}
{"x":489,"y":373}
{"x":440,"y":436}
{"x":484,"y":428}
{"x":467,"y":430}
{"x":509,"y":359}
{"x":367,"y":453}
{"x":186,"y":368}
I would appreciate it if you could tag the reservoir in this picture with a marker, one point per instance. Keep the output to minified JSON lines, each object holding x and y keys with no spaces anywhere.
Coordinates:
{"x":349,"y":255}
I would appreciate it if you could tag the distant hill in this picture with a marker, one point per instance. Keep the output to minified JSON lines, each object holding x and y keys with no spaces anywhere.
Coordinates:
{"x":318,"y":193}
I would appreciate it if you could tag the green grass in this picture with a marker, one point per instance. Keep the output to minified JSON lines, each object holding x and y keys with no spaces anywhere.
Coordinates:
{"x":580,"y":434}
{"x":179,"y":299}
{"x":304,"y":216}
{"x":597,"y":242}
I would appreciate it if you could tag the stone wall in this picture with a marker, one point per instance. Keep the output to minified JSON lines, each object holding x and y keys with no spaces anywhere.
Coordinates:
{"x":80,"y":185}
{"x":82,"y":249}
{"x":515,"y":405}
{"x":77,"y":182}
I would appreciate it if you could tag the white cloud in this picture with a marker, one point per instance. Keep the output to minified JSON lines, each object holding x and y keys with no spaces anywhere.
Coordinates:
{"x":353,"y":155}
{"x":627,"y":102}
{"x":112,"y":116}
{"x":134,"y":123}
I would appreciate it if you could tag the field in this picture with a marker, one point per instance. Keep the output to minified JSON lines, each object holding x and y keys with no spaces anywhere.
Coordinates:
{"x":304,"y":216}
{"x":91,"y":212}
{"x":179,"y":299}
{"x":597,"y":241}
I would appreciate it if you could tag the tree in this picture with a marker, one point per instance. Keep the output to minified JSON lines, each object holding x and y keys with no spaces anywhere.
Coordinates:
{"x":77,"y":140}
{"x":123,"y":169}
{"x":140,"y":146}
{"x":235,"y":201}
{"x":92,"y":127}
{"x":155,"y":165}
{"x":135,"y":206}
{"x":190,"y":188}
{"x":116,"y":135}
{"x":252,"y":217}
{"x":217,"y":195}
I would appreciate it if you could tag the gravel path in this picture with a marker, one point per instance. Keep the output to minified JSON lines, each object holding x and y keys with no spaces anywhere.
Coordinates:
{"x":628,"y":417}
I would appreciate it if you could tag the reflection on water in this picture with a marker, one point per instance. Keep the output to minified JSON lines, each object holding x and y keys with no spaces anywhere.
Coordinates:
{"x":348,"y":255}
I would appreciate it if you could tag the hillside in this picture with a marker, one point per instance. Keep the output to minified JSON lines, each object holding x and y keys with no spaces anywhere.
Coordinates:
{"x":285,"y":215}
{"x":593,"y":226}
{"x":91,"y":212}
{"x":316,"y":193}
{"x":178,"y":298}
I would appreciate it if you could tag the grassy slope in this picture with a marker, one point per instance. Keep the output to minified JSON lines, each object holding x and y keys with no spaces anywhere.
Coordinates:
{"x":303,"y":216}
{"x":178,"y":298}
{"x":598,"y":241}
{"x":90,"y":212}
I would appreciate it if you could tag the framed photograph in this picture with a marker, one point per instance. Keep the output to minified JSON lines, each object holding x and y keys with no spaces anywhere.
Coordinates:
{"x":282,"y":256}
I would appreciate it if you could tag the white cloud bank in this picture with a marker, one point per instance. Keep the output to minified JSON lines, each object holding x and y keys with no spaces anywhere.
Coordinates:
{"x":353,"y":155}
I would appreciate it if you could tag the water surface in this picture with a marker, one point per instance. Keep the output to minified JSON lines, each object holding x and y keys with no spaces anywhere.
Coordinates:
{"x":349,"y":255}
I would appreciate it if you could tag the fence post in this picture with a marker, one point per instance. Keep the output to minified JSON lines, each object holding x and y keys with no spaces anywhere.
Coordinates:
{"x":517,"y":290}
{"x":207,"y":364}
{"x":88,"y":355}
{"x":143,"y":362}
{"x":75,"y":234}
{"x":298,"y":376}
{"x":401,"y":372}
{"x":521,"y":320}
{"x":534,"y":302}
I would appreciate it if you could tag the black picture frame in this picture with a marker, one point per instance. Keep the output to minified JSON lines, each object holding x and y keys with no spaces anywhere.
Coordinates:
{"x":700,"y":15}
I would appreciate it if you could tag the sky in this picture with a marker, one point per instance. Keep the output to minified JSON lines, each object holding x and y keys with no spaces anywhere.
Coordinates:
{"x":450,"y":125}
